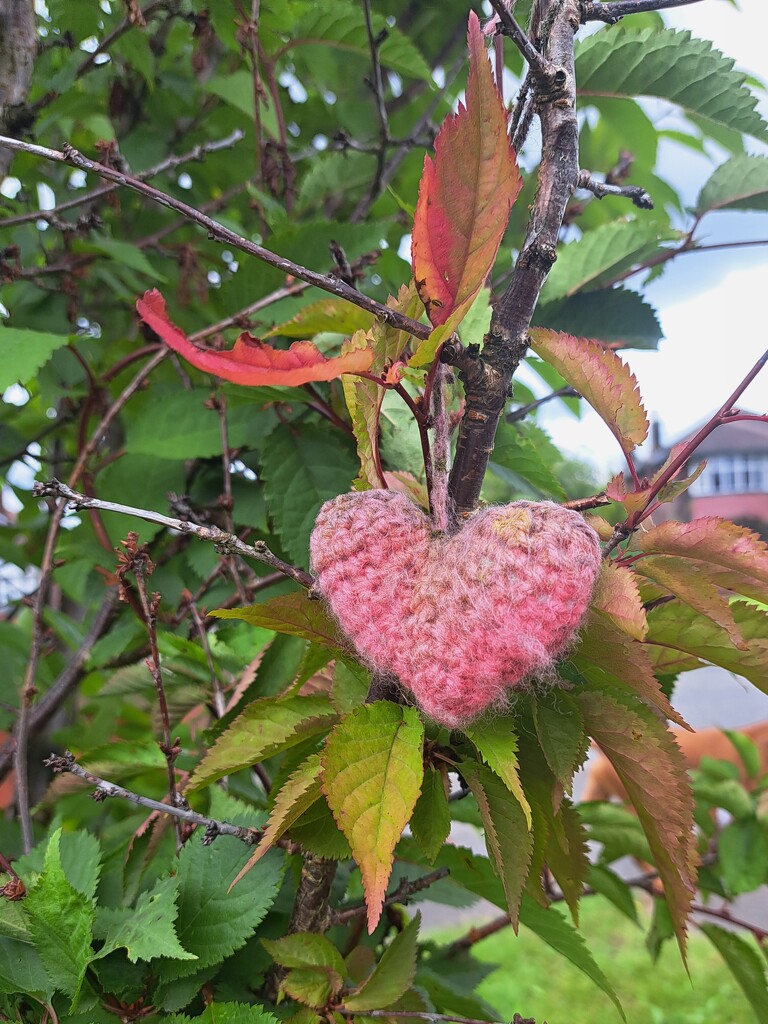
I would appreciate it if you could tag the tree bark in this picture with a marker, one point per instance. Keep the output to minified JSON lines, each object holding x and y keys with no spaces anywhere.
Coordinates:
{"x":18,"y":47}
{"x":488,"y":377}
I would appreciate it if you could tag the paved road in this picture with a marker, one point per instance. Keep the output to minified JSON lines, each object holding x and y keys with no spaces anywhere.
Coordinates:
{"x":707,"y":697}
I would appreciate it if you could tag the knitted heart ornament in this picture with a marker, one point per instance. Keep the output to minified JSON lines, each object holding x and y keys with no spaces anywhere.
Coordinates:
{"x":458,"y":619}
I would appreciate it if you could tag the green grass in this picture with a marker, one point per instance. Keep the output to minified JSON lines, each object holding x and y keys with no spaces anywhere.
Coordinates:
{"x":531,"y":979}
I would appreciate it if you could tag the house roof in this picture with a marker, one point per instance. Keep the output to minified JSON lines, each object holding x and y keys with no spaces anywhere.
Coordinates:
{"x":746,"y":437}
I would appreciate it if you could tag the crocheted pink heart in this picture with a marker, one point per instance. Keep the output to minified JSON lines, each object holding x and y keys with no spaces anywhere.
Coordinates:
{"x":458,"y":619}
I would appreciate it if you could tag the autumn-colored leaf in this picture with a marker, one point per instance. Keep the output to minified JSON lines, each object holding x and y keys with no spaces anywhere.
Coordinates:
{"x":653,"y":772}
{"x":298,"y":793}
{"x":692,"y":582}
{"x":710,"y":539}
{"x":465,"y":195}
{"x":607,"y":655}
{"x":251,"y":362}
{"x":617,"y":596}
{"x":266,"y":727}
{"x":600,"y":377}
{"x":373,"y":771}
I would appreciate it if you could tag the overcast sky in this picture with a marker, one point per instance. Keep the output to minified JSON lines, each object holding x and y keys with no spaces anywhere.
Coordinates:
{"x":712,"y":306}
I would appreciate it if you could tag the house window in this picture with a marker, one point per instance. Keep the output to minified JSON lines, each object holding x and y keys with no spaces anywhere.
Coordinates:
{"x":732,"y":474}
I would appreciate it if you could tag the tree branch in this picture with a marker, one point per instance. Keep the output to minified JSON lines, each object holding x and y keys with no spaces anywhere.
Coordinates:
{"x":220,"y":233}
{"x":592,"y":10}
{"x":487,"y":379}
{"x":18,"y":48}
{"x":213,"y":828}
{"x":401,"y":894}
{"x":542,"y":69}
{"x":640,"y":198}
{"x":227,"y":543}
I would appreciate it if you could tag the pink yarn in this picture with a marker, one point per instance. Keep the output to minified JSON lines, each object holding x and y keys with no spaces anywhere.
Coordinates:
{"x":458,"y":619}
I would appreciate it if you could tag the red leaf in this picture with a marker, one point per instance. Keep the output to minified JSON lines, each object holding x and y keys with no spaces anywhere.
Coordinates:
{"x":714,"y":540}
{"x":602,"y":378}
{"x":465,"y":195}
{"x":251,"y":362}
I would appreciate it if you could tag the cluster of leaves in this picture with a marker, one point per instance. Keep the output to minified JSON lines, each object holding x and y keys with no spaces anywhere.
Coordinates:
{"x":269,"y":704}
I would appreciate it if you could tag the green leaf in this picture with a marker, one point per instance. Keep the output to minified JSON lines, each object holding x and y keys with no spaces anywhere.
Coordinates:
{"x":351,"y":683}
{"x":601,"y":255}
{"x":561,"y":734}
{"x":292,"y":614}
{"x":552,"y":928}
{"x":373,"y":772}
{"x":608,"y":884}
{"x":496,"y":742}
{"x":340,"y":24}
{"x":431,"y":819}
{"x":307,"y":949}
{"x":742,"y":849}
{"x":313,"y":988}
{"x":393,"y":974}
{"x":147,"y":931}
{"x":266,"y":727}
{"x":335,"y":315}
{"x":22,"y":970}
{"x":670,"y":65}
{"x":745,"y":964}
{"x":516,"y":451}
{"x":61,"y":923}
{"x":126,"y":255}
{"x":25,"y":352}
{"x":213,"y":922}
{"x":600,"y":377}
{"x":741,"y":183}
{"x":614,"y":315}
{"x":302,"y":468}
{"x":225,"y":1013}
{"x":507,"y":833}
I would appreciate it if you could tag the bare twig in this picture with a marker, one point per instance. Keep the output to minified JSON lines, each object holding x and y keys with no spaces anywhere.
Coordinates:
{"x":213,"y":827}
{"x":168,"y":164}
{"x":220,"y":233}
{"x":401,"y":894}
{"x":601,"y":189}
{"x":541,"y":68}
{"x":592,"y":10}
{"x":377,"y":87}
{"x":219,"y":701}
{"x":65,"y":683}
{"x":524,"y":410}
{"x":225,"y":542}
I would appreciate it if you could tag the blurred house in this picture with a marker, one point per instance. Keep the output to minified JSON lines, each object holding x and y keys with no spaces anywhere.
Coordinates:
{"x":734,"y":484}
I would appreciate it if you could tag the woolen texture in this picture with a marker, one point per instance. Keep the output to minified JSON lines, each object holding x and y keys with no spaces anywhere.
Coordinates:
{"x":457,"y":619}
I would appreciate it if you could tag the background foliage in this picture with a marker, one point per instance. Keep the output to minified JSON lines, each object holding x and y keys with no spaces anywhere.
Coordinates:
{"x":261,"y":116}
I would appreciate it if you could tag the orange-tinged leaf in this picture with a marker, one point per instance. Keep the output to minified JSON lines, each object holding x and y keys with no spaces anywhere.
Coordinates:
{"x":710,"y":539}
{"x":617,"y":596}
{"x":372,"y":775}
{"x":364,"y":398}
{"x":299,"y":792}
{"x":465,"y":195}
{"x":607,"y":655}
{"x":600,"y":377}
{"x":633,"y":501}
{"x":652,"y":770}
{"x":251,"y":362}
{"x":691,"y":581}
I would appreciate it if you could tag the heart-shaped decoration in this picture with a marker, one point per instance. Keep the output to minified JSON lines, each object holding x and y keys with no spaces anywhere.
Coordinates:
{"x":457,"y":619}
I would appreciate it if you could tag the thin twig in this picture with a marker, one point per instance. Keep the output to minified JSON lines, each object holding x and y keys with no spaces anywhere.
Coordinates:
{"x":537,"y":62}
{"x":213,"y":827}
{"x":226,"y":501}
{"x":220,"y":233}
{"x":584,"y":504}
{"x":226,"y":542}
{"x":524,"y":410}
{"x":219,"y":701}
{"x":639,"y":197}
{"x":377,"y":87}
{"x":401,"y":894}
{"x":65,"y":683}
{"x":168,"y":164}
